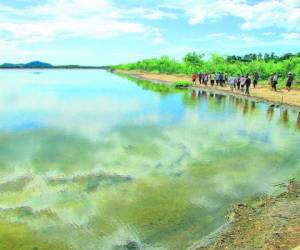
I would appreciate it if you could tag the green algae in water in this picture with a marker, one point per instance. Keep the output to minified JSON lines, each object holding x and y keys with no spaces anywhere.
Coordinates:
{"x":125,"y":165}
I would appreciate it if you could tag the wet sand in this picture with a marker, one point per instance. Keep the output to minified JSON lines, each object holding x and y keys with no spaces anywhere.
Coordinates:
{"x":264,"y":93}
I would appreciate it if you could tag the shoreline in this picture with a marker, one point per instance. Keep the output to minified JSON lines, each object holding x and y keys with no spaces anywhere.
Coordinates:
{"x":261,"y":94}
{"x":271,"y":222}
{"x":53,"y":68}
{"x":264,"y":222}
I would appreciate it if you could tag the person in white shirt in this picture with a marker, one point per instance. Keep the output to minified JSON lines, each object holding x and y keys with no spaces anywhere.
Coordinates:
{"x":243,"y":80}
{"x":231,"y":82}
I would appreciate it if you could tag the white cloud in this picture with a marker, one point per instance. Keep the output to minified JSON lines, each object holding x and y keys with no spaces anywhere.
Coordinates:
{"x":283,"y":14}
{"x":269,"y":33}
{"x":269,"y":13}
{"x":158,"y":37}
{"x":150,"y":14}
{"x":291,"y":36}
{"x":92,"y":18}
{"x":232,"y":38}
{"x":248,"y":38}
{"x":77,"y":114}
{"x":159,"y":40}
{"x":214,"y":35}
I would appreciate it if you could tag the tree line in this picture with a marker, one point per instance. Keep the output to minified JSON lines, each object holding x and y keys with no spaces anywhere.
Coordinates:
{"x":194,"y":62}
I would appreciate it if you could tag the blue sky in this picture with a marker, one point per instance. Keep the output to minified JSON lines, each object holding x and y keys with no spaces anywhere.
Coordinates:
{"x":101,"y":32}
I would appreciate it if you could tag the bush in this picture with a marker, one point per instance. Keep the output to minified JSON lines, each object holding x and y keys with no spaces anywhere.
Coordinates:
{"x":193,"y":62}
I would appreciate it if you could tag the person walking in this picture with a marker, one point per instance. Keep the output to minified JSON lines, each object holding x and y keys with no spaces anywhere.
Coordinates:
{"x":212,"y":79}
{"x":200,"y":77}
{"x":238,"y":81}
{"x":243,"y":79}
{"x":205,"y":79}
{"x":231,"y":82}
{"x":289,"y":82}
{"x":217,"y":78}
{"x":225,"y":79}
{"x":255,"y":79}
{"x":194,"y":78}
{"x":271,"y":80}
{"x":221,"y":79}
{"x":247,"y":83}
{"x":274,"y":81}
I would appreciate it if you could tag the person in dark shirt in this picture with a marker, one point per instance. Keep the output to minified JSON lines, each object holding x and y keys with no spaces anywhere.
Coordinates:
{"x":200,"y":77}
{"x":238,"y":81}
{"x":221,"y":79}
{"x":289,"y":81}
{"x":225,"y":79}
{"x":218,"y":78}
{"x":247,"y":83}
{"x":255,"y":79}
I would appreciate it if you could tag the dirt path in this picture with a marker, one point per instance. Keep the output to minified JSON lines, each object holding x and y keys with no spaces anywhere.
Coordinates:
{"x":262,"y":92}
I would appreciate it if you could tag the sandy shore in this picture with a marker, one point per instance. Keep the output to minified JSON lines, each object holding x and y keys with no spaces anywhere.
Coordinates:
{"x":282,"y":96}
{"x":270,"y":223}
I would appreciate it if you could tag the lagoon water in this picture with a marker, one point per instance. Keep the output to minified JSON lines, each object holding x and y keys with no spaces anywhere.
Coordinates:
{"x":92,"y":160}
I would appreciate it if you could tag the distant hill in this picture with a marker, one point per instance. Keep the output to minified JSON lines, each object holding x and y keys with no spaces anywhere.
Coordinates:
{"x":35,"y":64}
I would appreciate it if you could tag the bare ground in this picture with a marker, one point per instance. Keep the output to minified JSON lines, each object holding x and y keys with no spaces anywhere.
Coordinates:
{"x":272,"y":223}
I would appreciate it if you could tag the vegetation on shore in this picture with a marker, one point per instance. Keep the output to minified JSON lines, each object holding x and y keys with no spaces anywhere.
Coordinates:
{"x":195,"y":62}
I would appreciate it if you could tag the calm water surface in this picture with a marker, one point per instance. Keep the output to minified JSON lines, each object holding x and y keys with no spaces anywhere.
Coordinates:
{"x":91,"y":160}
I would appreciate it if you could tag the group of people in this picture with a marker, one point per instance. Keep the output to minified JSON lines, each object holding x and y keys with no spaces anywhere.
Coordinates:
{"x":274,"y":81}
{"x":219,"y":78}
{"x":239,"y":82}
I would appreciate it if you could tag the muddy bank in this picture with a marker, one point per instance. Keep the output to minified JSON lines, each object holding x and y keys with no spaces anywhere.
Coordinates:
{"x":264,"y":223}
{"x":262,"y":93}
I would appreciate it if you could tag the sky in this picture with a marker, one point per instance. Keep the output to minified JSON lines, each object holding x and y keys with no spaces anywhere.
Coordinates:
{"x":105,"y":32}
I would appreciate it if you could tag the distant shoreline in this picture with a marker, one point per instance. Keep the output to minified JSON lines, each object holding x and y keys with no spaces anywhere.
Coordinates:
{"x":51,"y":68}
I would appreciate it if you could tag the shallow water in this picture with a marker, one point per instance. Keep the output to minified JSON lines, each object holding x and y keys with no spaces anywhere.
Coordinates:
{"x":91,"y":160}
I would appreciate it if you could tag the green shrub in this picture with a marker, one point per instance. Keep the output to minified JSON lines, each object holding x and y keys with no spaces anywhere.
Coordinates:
{"x":194,"y":62}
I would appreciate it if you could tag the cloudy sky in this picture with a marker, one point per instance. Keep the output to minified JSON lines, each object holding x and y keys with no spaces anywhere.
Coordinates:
{"x":100,"y":32}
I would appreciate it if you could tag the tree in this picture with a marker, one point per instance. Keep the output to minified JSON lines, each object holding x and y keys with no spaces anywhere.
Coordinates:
{"x":193,"y":58}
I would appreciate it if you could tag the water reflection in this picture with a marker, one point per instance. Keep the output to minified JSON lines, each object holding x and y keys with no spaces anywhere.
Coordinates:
{"x":237,"y":101}
{"x":189,"y":99}
{"x":219,"y":102}
{"x":160,"y":151}
{"x":252,"y":106}
{"x":270,"y":112}
{"x":163,"y":89}
{"x":284,"y":117}
{"x":194,"y":95}
{"x":246,"y":107}
{"x":204,"y":93}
